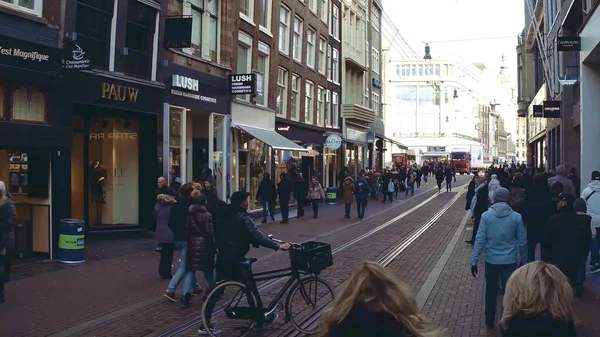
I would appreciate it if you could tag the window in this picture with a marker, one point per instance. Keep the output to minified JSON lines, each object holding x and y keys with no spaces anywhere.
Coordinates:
{"x":335,"y":109}
{"x":329,"y":62}
{"x":308,"y":102}
{"x":312,"y":5}
{"x":263,"y":69}
{"x":328,"y":110}
{"x":295,"y":97}
{"x":406,"y":70}
{"x":320,"y":105}
{"x":375,"y":61}
{"x":366,"y":100}
{"x":93,"y":26}
{"x":324,"y":10}
{"x":335,"y":67}
{"x":244,"y":58}
{"x":139,"y":39}
{"x":247,"y":10}
{"x":29,"y":104}
{"x":205,"y":29}
{"x":336,"y":22}
{"x":310,"y":48}
{"x":282,"y":93}
{"x":265,"y":13}
{"x":284,"y":30}
{"x":367,"y":51}
{"x":297,"y":43}
{"x":322,"y":55}
{"x":375,"y":17}
{"x":436,"y":70}
{"x":375,"y":102}
{"x":28,"y":6}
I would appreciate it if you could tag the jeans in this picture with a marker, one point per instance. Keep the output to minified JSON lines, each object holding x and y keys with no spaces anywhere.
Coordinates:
{"x":410,"y":188}
{"x":361,"y":205}
{"x":285,"y":209}
{"x":595,"y":249}
{"x":268,"y":208}
{"x":493,"y":274}
{"x":190,"y":279}
{"x":425,"y":178}
{"x":476,"y":225}
{"x":181,"y":246}
{"x":301,"y":202}
{"x":166,"y":259}
{"x":315,"y":206}
{"x":347,"y":210}
{"x":386,"y":195}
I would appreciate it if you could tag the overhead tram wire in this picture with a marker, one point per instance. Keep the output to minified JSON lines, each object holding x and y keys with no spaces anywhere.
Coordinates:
{"x":403,"y":43}
{"x":397,"y":42}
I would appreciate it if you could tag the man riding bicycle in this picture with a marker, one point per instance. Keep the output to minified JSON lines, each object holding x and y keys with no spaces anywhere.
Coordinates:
{"x":234,"y":238}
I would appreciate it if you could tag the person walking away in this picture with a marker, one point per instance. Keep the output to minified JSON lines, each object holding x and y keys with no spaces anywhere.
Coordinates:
{"x":453,"y":168}
{"x":385,"y":178}
{"x":8,"y":218}
{"x":539,"y":205}
{"x":390,"y":189}
{"x":361,"y":193}
{"x":470,"y":193}
{"x":561,"y":177}
{"x":567,"y":238}
{"x":575,"y":180}
{"x":439,"y":178}
{"x":164,"y":236}
{"x":375,"y":303}
{"x":267,"y":194}
{"x":301,"y":194}
{"x":517,"y":195}
{"x":284,"y":189}
{"x":233,"y":241}
{"x":538,"y":302}
{"x":348,"y":190}
{"x":581,"y":209}
{"x":162,"y":188}
{"x":178,"y":217}
{"x":316,"y":195}
{"x":591,"y":195}
{"x":501,"y":234}
{"x":410,"y":184}
{"x":419,"y":175}
{"x":492,"y":186}
{"x":425,"y":171}
{"x":449,"y":176}
{"x":201,"y":247}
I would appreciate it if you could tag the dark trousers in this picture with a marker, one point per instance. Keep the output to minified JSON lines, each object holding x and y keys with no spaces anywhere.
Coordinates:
{"x":439,"y":183}
{"x":285,"y":209}
{"x":301,"y":202}
{"x":347,"y":210}
{"x":495,"y":275}
{"x":268,"y":208}
{"x":476,"y":225}
{"x":166,"y":259}
{"x":315,"y":207}
{"x":387,"y":195}
{"x":7,"y":263}
{"x":418,"y":183}
{"x":448,"y":185}
{"x":533,"y":239}
{"x":581,"y":270}
{"x":361,"y":205}
{"x":410,"y":188}
{"x":3,"y":276}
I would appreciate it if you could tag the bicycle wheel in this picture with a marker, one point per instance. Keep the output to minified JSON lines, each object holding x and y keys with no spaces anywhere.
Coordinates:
{"x":232,"y":306}
{"x":305,"y":302}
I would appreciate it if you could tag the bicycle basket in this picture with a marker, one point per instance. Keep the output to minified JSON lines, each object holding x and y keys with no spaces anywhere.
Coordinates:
{"x":315,"y":256}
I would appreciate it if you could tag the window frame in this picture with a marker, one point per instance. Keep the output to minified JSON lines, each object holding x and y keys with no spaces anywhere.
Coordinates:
{"x":375,"y":61}
{"x":282,"y":84}
{"x":309,"y":101}
{"x":311,"y":47}
{"x":335,"y":22}
{"x":320,"y":106}
{"x":297,"y":39}
{"x":335,"y":56}
{"x":324,"y":11}
{"x":329,"y":61}
{"x":285,"y":34}
{"x":152,"y":38}
{"x":312,"y":6}
{"x":267,"y":16}
{"x":295,"y":108}
{"x":335,"y":109}
{"x":328,"y":111}
{"x":322,"y":61}
{"x":250,"y":16}
{"x":205,"y":33}
{"x":38,"y":7}
{"x":10,"y":89}
{"x":244,"y":41}
{"x":265,"y":52}
{"x":375,"y":104}
{"x":375,"y":17}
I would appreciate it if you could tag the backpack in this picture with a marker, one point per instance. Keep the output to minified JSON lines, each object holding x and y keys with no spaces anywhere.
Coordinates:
{"x":231,"y":238}
{"x":517,"y":199}
{"x":390,"y":187}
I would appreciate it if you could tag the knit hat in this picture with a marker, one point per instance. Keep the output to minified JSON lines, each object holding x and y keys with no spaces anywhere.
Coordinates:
{"x":580,"y":206}
{"x":501,"y":194}
{"x":238,"y":197}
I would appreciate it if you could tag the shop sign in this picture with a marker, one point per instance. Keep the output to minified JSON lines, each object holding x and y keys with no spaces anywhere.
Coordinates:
{"x":242,"y":84}
{"x":76,"y":57}
{"x":376,"y":83}
{"x":113,"y":135}
{"x":284,"y":128}
{"x":116,"y":92}
{"x":22,"y":54}
{"x":436,"y":149}
{"x":178,"y":32}
{"x":333,"y":142}
{"x":352,"y":134}
{"x":552,"y":109}
{"x":538,"y":111}
{"x":568,"y":43}
{"x":189,"y":84}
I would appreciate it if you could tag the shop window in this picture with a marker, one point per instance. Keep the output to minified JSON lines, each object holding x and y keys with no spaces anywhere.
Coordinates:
{"x":28,"y":6}
{"x":175,"y":147}
{"x":93,"y":26}
{"x":254,"y":161}
{"x":25,"y":173}
{"x":113,"y":172}
{"x":29,"y":104}
{"x":205,"y":28}
{"x":139,"y":39}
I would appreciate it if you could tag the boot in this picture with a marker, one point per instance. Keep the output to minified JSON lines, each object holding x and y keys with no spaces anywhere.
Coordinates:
{"x":185,"y":300}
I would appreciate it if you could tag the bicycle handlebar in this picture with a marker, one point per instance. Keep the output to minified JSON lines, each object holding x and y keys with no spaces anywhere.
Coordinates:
{"x":293,"y":244}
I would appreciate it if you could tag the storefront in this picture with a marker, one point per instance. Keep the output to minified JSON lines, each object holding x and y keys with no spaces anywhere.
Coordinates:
{"x":309,"y":163}
{"x":33,"y":138}
{"x":114,"y":155}
{"x":195,"y":122}
{"x":355,"y":150}
{"x":255,"y":143}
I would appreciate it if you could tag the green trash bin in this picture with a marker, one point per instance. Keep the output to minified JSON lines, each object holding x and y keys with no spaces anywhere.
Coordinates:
{"x":71,"y":241}
{"x":331,"y":195}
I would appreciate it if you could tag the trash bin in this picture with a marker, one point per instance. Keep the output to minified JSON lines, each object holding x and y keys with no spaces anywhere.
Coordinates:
{"x":331,"y":195}
{"x":71,"y":235}
{"x":22,"y":238}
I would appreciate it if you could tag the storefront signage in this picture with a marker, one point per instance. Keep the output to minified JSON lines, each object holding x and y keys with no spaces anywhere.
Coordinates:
{"x":552,"y":109}
{"x":356,"y":135}
{"x":568,"y":43}
{"x":76,"y":57}
{"x":22,"y":54}
{"x":242,"y":84}
{"x":284,"y":128}
{"x":538,"y":111}
{"x":121,"y":93}
{"x":376,"y":83}
{"x":178,"y":32}
{"x":196,"y":90}
{"x":333,"y":142}
{"x":179,"y":81}
{"x":436,"y":149}
{"x":113,"y":135}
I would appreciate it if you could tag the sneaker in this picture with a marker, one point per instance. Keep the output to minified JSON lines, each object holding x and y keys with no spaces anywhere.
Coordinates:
{"x":202,"y":331}
{"x":273,"y":318}
{"x":170,"y":296}
{"x":595,"y":268}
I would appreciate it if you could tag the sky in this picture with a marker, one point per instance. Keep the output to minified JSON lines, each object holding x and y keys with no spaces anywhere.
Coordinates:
{"x":420,"y":21}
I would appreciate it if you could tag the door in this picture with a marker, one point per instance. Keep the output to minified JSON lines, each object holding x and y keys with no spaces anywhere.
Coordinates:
{"x":200,"y":157}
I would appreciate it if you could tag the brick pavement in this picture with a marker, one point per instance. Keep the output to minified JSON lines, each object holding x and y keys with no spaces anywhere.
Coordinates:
{"x":103,"y":291}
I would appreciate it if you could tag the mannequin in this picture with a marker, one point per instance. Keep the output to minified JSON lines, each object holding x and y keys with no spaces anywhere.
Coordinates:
{"x":97,"y":177}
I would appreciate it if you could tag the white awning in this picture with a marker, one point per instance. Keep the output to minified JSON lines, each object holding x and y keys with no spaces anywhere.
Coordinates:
{"x":271,"y":138}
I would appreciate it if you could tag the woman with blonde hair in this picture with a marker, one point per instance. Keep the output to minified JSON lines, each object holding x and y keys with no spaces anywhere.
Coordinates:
{"x":374,"y":303}
{"x":538,"y":302}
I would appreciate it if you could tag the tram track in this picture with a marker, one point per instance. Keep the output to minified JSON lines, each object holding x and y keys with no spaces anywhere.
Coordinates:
{"x":388,"y":258}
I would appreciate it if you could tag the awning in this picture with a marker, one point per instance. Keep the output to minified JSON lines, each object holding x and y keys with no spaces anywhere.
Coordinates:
{"x":271,"y":138}
{"x":398,"y":144}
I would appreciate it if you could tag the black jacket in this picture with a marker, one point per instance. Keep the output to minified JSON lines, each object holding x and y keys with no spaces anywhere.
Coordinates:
{"x":266,"y":190}
{"x":535,"y":325}
{"x":470,"y":194}
{"x":284,"y":189}
{"x":482,"y":203}
{"x":300,"y":189}
{"x":164,"y":190}
{"x":360,"y":322}
{"x":179,"y":214}
{"x":539,"y":206}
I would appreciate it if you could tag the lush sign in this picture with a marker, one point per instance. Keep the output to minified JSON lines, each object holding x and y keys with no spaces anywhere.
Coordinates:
{"x":242,"y":84}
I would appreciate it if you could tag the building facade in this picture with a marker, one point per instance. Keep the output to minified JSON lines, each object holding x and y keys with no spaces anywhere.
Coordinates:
{"x":374,"y":60}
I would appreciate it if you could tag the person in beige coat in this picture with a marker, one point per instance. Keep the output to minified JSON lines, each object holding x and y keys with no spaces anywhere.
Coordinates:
{"x":316,"y":195}
{"x":347,"y":191}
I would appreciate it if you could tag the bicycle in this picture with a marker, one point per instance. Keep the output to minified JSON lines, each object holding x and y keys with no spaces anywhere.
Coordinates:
{"x":307,"y":259}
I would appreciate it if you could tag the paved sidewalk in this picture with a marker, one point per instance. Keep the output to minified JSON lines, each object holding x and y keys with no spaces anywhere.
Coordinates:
{"x":98,"y":291}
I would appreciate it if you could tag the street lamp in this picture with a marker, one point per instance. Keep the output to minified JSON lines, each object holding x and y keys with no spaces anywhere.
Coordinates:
{"x":427,"y":56}
{"x":455,"y":93}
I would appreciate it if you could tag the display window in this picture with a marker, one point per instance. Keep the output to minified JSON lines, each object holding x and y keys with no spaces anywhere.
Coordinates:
{"x":253,"y":161}
{"x":330,"y":168}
